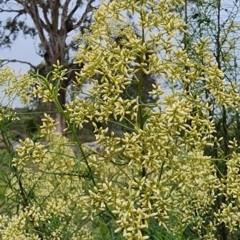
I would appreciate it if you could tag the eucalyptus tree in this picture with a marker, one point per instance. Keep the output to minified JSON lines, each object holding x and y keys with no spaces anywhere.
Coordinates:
{"x":52,"y":21}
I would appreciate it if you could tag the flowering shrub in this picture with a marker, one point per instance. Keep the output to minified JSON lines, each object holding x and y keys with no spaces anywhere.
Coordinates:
{"x":156,"y":180}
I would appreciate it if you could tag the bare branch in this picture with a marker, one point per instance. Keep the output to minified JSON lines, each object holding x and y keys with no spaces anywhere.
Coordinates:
{"x":6,"y":61}
{"x":73,"y":11}
{"x":88,"y":9}
{"x":32,"y":10}
{"x":44,"y":11}
{"x":65,"y":9}
{"x":23,"y":3}
{"x":21,"y":11}
{"x":36,"y":17}
{"x":46,"y":27}
{"x":19,"y":14}
{"x":64,"y":14}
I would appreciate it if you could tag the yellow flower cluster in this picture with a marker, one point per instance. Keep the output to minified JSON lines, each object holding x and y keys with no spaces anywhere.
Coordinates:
{"x":16,"y":84}
{"x":155,"y":177}
{"x":54,"y":192}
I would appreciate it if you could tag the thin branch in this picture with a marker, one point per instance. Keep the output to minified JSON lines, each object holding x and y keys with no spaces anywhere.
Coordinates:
{"x":73,"y":11}
{"x":18,"y":15}
{"x":32,"y":9}
{"x":45,"y":26}
{"x":6,"y":61}
{"x":88,"y":9}
{"x":44,"y":12}
{"x":29,"y":8}
{"x":64,"y":14}
{"x":33,"y":12}
{"x":21,"y":11}
{"x":65,"y":9}
{"x":23,"y":3}
{"x":36,"y":17}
